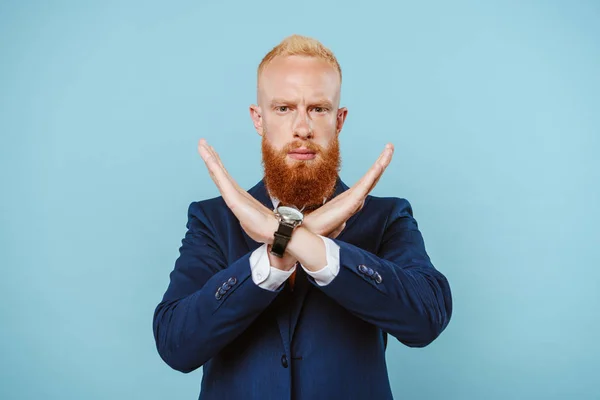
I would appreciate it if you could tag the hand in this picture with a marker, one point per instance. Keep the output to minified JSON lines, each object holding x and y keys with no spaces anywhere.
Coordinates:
{"x":330,"y":219}
{"x":257,"y":220}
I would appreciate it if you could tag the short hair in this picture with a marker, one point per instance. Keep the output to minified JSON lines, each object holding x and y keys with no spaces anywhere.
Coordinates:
{"x":298,"y":45}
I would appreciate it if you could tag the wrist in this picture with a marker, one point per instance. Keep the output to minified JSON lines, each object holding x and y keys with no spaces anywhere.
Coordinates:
{"x":288,"y":219}
{"x":285,"y":263}
{"x":273,"y":225}
{"x":303,"y":239}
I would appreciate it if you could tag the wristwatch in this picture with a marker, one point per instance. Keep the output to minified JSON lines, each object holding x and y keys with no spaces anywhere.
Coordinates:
{"x":289,"y":218}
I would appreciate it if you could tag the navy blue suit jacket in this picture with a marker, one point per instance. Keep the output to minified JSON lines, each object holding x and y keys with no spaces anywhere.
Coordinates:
{"x":312,"y":342}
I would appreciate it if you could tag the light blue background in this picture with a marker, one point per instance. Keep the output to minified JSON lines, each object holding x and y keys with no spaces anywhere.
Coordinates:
{"x":494,"y":111}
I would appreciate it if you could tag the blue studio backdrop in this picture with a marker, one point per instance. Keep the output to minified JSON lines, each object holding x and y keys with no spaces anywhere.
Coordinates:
{"x":493,"y":107}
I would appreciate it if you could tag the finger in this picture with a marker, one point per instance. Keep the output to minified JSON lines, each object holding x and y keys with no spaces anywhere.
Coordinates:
{"x":364,"y":186}
{"x":218,"y":173}
{"x":375,"y":170}
{"x":216,"y":156}
{"x":255,"y":203}
{"x":212,"y":164}
{"x":384,"y":161}
{"x":230,"y":182}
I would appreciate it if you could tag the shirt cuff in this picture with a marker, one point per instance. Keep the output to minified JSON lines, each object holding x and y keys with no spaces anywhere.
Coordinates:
{"x":325,"y":275}
{"x":263,"y":274}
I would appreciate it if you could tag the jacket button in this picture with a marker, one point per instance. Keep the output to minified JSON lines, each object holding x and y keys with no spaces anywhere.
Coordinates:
{"x":232,"y":281}
{"x":377,"y":277}
{"x":284,"y":361}
{"x":362,"y":268}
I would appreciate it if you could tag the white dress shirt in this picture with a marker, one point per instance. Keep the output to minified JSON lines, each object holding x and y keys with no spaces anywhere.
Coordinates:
{"x":268,"y":277}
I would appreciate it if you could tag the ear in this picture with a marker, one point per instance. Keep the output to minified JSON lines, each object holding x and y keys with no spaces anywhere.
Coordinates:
{"x":256,"y":115}
{"x":340,"y":119}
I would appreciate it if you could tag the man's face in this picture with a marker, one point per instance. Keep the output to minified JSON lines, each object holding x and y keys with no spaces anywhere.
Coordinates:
{"x":299,"y":121}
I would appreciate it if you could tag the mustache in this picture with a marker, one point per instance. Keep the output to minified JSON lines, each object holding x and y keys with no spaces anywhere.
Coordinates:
{"x":308,"y":145}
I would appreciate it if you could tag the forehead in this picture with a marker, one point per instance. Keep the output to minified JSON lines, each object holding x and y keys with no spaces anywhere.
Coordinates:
{"x":296,"y":77}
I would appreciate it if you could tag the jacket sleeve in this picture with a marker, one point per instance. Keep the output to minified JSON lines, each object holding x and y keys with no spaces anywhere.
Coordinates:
{"x":398,"y":289}
{"x":207,"y":303}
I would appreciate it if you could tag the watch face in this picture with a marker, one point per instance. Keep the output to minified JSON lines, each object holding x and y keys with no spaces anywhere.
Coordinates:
{"x":290,"y":213}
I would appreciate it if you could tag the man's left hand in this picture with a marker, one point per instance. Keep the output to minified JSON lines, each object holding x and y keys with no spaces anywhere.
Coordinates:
{"x":330,"y":219}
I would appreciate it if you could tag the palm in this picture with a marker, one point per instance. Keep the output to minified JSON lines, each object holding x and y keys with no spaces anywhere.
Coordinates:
{"x":330,"y":219}
{"x":256,"y":219}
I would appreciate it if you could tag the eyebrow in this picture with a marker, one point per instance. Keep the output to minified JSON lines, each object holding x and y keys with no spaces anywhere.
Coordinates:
{"x":319,"y":102}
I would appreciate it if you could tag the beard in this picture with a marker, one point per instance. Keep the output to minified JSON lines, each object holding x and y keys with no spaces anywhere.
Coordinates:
{"x":303,"y":183}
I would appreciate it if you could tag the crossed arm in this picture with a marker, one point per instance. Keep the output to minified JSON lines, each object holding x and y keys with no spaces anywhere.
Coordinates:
{"x":400,"y":292}
{"x":411,"y":301}
{"x":197,"y":317}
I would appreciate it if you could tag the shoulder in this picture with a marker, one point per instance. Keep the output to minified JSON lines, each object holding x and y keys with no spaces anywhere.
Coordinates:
{"x":210,"y":213}
{"x":393,"y":206}
{"x":207,"y":206}
{"x":391,"y":212}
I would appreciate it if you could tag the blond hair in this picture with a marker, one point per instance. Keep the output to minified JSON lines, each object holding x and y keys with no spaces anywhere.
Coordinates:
{"x":298,"y":45}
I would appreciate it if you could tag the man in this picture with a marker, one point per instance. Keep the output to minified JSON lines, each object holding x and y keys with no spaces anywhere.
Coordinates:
{"x":290,"y":289}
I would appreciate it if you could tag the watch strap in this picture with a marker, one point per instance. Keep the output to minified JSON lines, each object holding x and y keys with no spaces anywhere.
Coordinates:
{"x":281,"y":239}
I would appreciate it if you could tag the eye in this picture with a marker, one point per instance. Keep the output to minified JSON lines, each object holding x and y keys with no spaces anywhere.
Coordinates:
{"x":281,"y":108}
{"x":319,"y":109}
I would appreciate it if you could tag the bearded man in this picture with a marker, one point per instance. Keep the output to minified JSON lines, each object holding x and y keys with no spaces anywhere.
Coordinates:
{"x":289,"y":290}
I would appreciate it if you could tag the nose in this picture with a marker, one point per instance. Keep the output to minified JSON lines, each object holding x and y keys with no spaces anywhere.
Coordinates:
{"x":302,"y":126}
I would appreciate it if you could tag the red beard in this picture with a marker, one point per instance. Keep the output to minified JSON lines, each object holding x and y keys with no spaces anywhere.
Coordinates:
{"x":304,"y":183}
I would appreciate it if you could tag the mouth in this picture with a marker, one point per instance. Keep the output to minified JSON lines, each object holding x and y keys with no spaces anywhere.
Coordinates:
{"x":302,"y":154}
